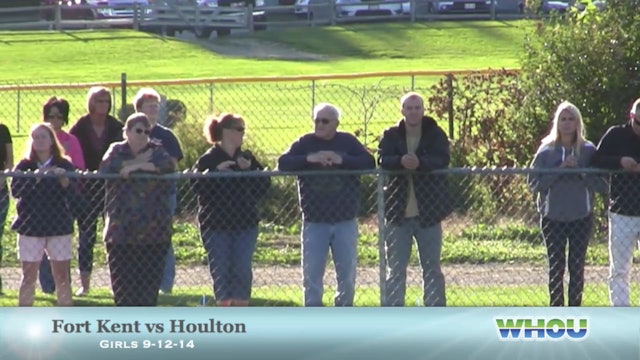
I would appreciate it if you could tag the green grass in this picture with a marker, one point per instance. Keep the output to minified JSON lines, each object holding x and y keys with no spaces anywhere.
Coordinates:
{"x":281,"y":246}
{"x":457,"y":296}
{"x":101,"y":55}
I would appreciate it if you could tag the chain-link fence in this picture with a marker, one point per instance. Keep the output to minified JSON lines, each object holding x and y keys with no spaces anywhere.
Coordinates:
{"x":277,"y":110}
{"x":492,"y":252}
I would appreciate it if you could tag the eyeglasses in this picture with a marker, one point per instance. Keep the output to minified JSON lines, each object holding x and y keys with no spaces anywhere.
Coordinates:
{"x":55,"y":116}
{"x":239,"y":129}
{"x":140,"y":131}
{"x":323,"y":121}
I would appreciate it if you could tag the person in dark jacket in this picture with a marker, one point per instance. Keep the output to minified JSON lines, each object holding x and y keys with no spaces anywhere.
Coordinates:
{"x":138,"y":220}
{"x":565,"y":201}
{"x":416,"y":201}
{"x":45,"y":221}
{"x":228,"y":209}
{"x":95,"y":131}
{"x":329,"y":202}
{"x":619,"y":149}
{"x":6,"y":162}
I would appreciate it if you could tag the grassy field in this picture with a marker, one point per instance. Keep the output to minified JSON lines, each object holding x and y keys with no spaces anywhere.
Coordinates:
{"x":594,"y":295}
{"x":87,"y":56}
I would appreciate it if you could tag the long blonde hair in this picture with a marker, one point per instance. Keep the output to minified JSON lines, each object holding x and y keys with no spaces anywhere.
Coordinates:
{"x":554,"y":133}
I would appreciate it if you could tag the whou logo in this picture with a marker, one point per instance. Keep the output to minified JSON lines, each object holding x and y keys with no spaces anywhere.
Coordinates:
{"x":514,"y":329}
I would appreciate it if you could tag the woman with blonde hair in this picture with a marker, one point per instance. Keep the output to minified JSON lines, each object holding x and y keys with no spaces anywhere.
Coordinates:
{"x":96,"y":131}
{"x":45,"y":222}
{"x":565,"y":200}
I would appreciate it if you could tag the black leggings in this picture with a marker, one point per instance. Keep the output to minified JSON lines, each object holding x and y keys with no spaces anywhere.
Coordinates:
{"x":556,"y":234}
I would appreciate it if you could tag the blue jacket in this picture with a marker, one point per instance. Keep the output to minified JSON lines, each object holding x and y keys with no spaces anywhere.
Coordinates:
{"x":42,"y":206}
{"x":328,"y":198}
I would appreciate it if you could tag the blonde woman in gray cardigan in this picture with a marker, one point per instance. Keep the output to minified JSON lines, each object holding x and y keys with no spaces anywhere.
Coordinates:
{"x":565,"y":201}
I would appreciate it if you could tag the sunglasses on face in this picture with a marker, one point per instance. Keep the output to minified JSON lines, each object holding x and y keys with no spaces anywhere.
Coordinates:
{"x":323,"y":121}
{"x":55,"y":116}
{"x":140,"y":131}
{"x":239,"y":129}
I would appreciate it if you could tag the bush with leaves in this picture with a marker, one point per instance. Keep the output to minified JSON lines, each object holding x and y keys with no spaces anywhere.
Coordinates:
{"x":590,"y":58}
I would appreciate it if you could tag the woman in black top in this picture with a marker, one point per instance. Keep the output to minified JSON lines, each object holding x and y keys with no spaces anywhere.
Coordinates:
{"x":95,"y":131}
{"x":227,"y":209}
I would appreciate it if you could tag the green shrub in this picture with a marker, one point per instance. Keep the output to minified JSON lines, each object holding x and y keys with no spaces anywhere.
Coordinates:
{"x":589,"y":58}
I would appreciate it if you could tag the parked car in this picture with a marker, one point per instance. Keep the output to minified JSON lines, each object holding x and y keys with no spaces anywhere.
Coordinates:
{"x":349,"y":8}
{"x":464,"y":6}
{"x":90,"y":9}
{"x":547,"y":6}
{"x":202,"y":17}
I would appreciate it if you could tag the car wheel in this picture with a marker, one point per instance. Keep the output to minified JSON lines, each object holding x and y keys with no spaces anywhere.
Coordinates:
{"x":223,"y":32}
{"x":202,"y":32}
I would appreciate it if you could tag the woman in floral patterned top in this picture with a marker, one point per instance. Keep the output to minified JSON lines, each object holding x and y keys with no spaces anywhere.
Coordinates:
{"x":138,"y":218}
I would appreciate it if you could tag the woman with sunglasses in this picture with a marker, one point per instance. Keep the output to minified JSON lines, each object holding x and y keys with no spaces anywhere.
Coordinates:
{"x":138,"y":217}
{"x":228,"y":209}
{"x":55,"y":112}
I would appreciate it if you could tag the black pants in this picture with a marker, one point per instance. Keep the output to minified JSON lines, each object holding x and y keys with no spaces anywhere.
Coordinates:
{"x":136,"y":272}
{"x":89,"y":207}
{"x":556,"y":234}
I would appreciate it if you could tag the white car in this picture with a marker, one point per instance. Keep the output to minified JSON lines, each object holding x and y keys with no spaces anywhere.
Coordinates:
{"x":348,"y":8}
{"x":461,"y":6}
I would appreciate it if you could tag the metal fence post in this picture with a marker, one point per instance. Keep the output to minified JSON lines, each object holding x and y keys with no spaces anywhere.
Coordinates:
{"x":332,"y":6}
{"x":250,"y":18}
{"x":136,"y":14}
{"x":18,"y":110}
{"x":450,"y":103}
{"x":211,"y":98}
{"x":382,"y":262}
{"x":413,"y":82}
{"x":412,"y":9}
{"x":493,"y":9}
{"x":58,"y":16}
{"x":123,"y":93}
{"x":313,"y":95}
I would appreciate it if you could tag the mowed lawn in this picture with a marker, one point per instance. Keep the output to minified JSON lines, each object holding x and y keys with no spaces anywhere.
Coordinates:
{"x":101,"y":55}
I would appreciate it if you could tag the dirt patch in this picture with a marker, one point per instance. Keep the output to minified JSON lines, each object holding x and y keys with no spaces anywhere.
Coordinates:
{"x":256,"y":49}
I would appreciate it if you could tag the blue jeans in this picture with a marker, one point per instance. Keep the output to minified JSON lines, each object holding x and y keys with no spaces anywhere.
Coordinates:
{"x":398,"y":241}
{"x":317,"y":239}
{"x":230,"y":255}
{"x":169,"y":271}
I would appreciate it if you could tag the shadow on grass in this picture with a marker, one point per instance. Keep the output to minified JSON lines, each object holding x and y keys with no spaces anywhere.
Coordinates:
{"x":24,"y":37}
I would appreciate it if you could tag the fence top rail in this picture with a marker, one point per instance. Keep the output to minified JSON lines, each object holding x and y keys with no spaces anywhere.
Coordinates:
{"x":188,"y":174}
{"x":251,"y":79}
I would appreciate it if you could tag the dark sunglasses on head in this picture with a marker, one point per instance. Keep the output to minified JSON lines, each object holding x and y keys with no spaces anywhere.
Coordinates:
{"x":145,"y":131}
{"x":323,"y":121}
{"x":55,"y":116}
